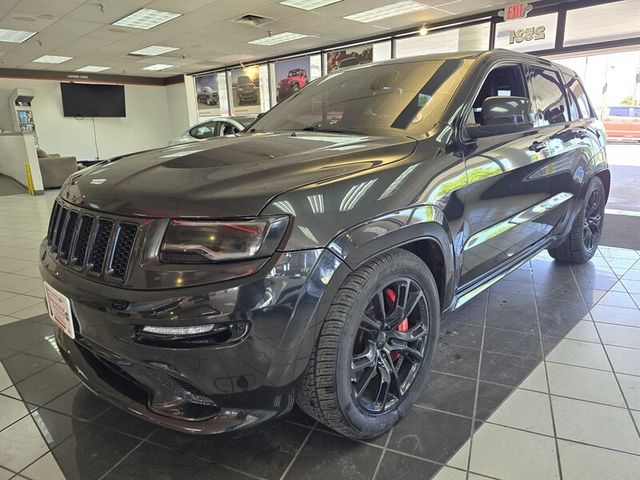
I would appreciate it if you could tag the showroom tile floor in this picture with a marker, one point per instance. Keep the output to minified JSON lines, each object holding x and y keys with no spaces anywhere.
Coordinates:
{"x":538,"y":378}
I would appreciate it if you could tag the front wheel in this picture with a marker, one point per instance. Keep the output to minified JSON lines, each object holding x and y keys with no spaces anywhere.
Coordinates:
{"x":583,"y":239}
{"x":375,"y":347}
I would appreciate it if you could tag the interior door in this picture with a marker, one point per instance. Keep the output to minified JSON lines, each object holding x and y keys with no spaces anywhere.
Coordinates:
{"x":513,"y":195}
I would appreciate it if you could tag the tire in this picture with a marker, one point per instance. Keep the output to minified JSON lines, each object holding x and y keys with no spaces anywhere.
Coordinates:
{"x":327,"y":390}
{"x":582,"y":241}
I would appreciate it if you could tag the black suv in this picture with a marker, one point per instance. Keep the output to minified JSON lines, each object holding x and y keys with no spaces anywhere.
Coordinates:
{"x":209,"y":287}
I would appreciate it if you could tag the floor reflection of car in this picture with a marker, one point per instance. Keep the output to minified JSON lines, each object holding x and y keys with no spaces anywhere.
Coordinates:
{"x":622,"y":122}
{"x":247,"y":91}
{"x":214,"y":127}
{"x":208,"y":96}
{"x":294,"y":81}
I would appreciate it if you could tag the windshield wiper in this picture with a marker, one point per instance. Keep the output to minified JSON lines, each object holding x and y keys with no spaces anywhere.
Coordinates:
{"x":331,"y":130}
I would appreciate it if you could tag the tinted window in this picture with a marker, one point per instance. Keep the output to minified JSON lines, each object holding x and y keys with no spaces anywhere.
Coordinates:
{"x":637,"y":110}
{"x":569,"y":84}
{"x":583,"y":100}
{"x":549,"y":102}
{"x":227,"y":128}
{"x":618,"y":112}
{"x":382,"y":99}
{"x":204,"y":130}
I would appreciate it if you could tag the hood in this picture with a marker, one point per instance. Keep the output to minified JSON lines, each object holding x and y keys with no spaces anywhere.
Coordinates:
{"x":226,"y":176}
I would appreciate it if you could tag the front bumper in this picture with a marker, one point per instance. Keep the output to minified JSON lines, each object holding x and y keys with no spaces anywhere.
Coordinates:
{"x":208,"y":387}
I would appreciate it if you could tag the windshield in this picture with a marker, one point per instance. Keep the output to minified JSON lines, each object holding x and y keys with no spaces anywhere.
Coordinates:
{"x":378,"y":99}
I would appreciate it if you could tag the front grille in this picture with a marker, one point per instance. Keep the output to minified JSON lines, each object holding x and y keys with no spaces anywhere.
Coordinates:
{"x":98,"y":245}
{"x":124,"y":244}
{"x":99,"y":250}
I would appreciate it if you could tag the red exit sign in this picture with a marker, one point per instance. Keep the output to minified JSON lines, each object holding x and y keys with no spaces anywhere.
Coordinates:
{"x":515,"y":11}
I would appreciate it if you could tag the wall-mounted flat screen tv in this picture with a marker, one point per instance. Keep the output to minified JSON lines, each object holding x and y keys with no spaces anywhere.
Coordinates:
{"x":92,"y":100}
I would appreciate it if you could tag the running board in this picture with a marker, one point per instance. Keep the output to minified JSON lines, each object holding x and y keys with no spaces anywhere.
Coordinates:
{"x":473,"y":291}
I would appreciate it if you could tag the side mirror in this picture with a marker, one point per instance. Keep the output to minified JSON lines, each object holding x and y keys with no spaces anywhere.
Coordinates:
{"x":502,"y":115}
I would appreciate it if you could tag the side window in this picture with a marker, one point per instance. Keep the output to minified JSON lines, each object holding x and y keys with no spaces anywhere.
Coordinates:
{"x":227,"y":128}
{"x":569,"y":86}
{"x":583,"y":101}
{"x":549,"y":101}
{"x":205,"y":130}
{"x":637,"y":112}
{"x":506,"y":81}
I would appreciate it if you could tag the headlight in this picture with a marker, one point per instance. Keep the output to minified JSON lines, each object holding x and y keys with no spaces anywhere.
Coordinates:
{"x":187,"y":241}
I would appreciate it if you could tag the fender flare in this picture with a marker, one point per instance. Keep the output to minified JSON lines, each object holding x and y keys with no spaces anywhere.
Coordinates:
{"x":347,"y":251}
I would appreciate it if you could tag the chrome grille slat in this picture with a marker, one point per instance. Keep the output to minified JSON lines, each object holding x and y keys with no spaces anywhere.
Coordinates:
{"x":100,"y":246}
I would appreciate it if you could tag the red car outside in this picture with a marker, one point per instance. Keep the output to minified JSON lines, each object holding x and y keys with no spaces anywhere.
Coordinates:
{"x":622,"y":122}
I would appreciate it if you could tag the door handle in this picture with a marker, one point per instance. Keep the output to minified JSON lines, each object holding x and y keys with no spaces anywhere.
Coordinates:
{"x":537,"y":146}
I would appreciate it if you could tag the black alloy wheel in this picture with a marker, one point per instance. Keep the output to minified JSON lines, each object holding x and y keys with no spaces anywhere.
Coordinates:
{"x":390,"y":346}
{"x":581,"y":243}
{"x":592,"y":226}
{"x":375,"y":346}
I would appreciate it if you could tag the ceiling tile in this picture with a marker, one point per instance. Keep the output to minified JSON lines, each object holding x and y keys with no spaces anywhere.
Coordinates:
{"x":57,"y":8}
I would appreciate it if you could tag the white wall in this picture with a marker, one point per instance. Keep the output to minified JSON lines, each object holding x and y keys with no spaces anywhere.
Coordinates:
{"x":149,"y":122}
{"x":182,"y":108}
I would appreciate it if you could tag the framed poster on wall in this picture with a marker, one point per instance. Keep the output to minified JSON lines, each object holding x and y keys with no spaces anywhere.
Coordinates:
{"x":208,"y":95}
{"x":348,"y":57}
{"x":291,"y":75}
{"x":246,"y":91}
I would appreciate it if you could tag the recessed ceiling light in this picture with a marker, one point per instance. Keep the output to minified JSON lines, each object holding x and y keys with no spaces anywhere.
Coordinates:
{"x":52,"y":59}
{"x":154,"y":50}
{"x":279,"y":38}
{"x":308,"y":4}
{"x":392,"y":10}
{"x":146,"y":18}
{"x":15,"y":36}
{"x":158,"y":66}
{"x":92,"y":68}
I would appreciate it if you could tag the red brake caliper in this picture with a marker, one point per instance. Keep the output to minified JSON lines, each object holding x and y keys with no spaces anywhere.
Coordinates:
{"x":403,"y":326}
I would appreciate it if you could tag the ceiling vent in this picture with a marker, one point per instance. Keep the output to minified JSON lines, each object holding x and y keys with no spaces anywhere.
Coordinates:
{"x":253,"y":20}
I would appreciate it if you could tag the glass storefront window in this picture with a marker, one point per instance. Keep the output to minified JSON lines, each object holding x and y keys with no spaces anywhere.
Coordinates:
{"x":315,"y":66}
{"x":382,"y":51}
{"x":528,"y":34}
{"x":349,"y":56}
{"x":223,"y":93}
{"x":475,"y":37}
{"x":602,"y":23}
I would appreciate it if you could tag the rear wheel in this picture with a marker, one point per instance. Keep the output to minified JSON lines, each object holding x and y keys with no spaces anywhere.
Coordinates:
{"x":376,"y":344}
{"x":583,"y":239}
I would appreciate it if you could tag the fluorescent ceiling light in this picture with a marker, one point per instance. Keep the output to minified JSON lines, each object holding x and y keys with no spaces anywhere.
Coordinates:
{"x":52,"y":59}
{"x":308,"y":4}
{"x":146,"y":18}
{"x":92,"y":68}
{"x":392,"y":10}
{"x":158,"y":66}
{"x":154,"y":50}
{"x":279,"y":38}
{"x":15,"y":36}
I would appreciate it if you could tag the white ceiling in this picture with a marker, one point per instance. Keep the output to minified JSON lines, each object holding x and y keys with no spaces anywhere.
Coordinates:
{"x":206,"y":34}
